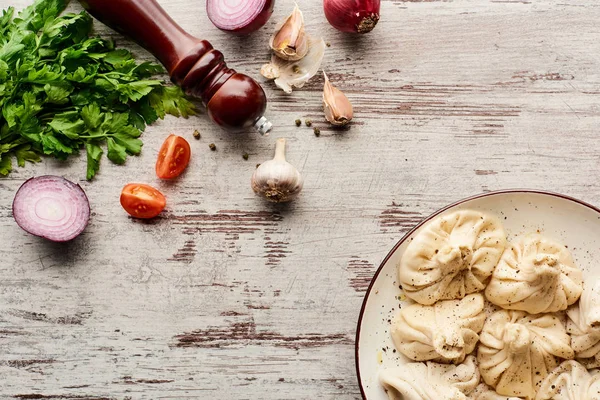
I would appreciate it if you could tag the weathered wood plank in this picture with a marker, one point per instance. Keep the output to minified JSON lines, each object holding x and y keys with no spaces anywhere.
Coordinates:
{"x":227,"y":297}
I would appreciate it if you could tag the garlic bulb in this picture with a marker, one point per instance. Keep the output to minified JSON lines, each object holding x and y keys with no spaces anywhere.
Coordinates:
{"x":290,"y":41}
{"x":277,"y":180}
{"x":338,"y":109}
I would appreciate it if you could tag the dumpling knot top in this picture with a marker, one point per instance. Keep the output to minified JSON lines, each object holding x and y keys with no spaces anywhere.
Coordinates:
{"x":453,"y":256}
{"x":517,"y":351}
{"x":583,"y":324}
{"x":431,"y":381}
{"x":537,"y":275}
{"x":446,"y":332}
{"x":517,"y":337}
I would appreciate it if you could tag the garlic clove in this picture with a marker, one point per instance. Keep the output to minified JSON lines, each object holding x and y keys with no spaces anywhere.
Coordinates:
{"x":270,"y":71}
{"x":294,"y":74}
{"x":277,"y":180}
{"x":338,"y":109}
{"x":290,"y":41}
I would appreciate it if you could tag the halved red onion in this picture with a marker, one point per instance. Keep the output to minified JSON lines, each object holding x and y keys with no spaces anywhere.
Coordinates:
{"x":239,"y":16}
{"x":51,"y":207}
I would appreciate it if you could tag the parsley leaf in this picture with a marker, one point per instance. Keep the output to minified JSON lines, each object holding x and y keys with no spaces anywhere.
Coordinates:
{"x":91,"y":115}
{"x":24,"y":153}
{"x":5,"y":164}
{"x":116,"y":152}
{"x":94,"y":153}
{"x":62,"y":90}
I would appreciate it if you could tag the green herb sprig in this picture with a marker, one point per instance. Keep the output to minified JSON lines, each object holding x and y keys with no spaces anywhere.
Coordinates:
{"x":62,"y":90}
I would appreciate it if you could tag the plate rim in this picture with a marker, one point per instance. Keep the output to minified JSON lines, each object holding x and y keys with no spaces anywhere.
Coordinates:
{"x":417,"y":226}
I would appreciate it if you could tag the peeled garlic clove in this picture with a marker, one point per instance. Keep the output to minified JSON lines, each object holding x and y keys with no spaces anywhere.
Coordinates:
{"x":290,"y":41}
{"x":338,"y":109}
{"x":277,"y":180}
{"x":290,"y":74}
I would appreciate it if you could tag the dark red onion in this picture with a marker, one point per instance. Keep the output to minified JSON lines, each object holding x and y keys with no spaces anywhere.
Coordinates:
{"x":358,"y":16}
{"x":51,"y":207}
{"x":239,"y":16}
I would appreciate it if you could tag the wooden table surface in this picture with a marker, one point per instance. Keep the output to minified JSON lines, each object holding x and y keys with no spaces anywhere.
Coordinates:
{"x":227,"y":297}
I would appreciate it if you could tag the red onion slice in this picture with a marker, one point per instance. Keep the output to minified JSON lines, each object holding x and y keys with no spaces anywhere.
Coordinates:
{"x":51,"y":207}
{"x":239,"y":16}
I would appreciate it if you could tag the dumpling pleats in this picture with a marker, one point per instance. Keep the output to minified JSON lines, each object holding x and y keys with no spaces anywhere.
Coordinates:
{"x":583,"y":324}
{"x":445,"y":332}
{"x":453,"y":256}
{"x":517,"y":351}
{"x":570,"y":381}
{"x":537,"y":275}
{"x":430,"y":381}
{"x":484,"y":392}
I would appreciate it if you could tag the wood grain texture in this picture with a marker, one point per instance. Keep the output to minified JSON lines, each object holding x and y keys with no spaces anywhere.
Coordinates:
{"x":226,"y":297}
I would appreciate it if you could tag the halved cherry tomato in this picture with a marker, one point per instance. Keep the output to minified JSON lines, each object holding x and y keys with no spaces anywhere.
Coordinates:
{"x":142,"y":201}
{"x":173,"y":157}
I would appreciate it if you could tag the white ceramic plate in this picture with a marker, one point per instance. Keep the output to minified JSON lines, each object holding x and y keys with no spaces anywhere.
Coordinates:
{"x":570,"y":221}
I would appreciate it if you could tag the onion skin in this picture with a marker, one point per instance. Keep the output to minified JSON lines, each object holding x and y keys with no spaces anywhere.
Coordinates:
{"x":356,"y":16}
{"x":261,"y":16}
{"x":51,"y":195}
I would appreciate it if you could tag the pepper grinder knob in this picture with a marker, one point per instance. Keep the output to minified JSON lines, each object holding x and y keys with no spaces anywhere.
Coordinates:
{"x":234,"y":101}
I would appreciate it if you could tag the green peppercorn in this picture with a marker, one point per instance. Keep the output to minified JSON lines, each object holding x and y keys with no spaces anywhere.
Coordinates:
{"x":197,"y":135}
{"x":298,"y":122}
{"x":317,"y":132}
{"x":245,"y":156}
{"x":213,"y":147}
{"x":308,"y":122}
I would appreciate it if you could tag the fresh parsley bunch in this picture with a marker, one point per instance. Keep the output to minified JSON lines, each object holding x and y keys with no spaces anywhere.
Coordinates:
{"x":62,"y":90}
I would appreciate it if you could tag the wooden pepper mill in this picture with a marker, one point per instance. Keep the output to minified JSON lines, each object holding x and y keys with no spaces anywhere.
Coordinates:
{"x":234,"y":101}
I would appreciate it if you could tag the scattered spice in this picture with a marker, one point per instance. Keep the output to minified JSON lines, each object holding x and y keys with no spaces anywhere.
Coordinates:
{"x":296,"y":69}
{"x":317,"y":132}
{"x":257,"y":165}
{"x":308,"y":123}
{"x":245,"y":156}
{"x":328,"y":44}
{"x":298,"y":122}
{"x":213,"y":147}
{"x":197,"y":134}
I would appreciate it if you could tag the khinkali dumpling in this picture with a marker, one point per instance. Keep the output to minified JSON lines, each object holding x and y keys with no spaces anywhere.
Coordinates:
{"x":430,"y":381}
{"x":517,"y":351}
{"x":445,"y":332}
{"x":537,"y":275}
{"x":583,"y":324}
{"x":570,"y":381}
{"x":453,"y":256}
